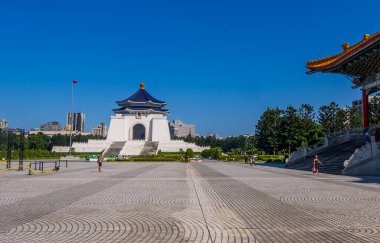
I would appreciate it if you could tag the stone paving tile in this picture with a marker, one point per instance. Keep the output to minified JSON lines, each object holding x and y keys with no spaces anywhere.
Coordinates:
{"x":172,"y":202}
{"x":29,"y":209}
{"x":15,"y":185}
{"x":341,"y":205}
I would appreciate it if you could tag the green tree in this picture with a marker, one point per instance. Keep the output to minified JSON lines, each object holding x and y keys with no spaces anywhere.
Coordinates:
{"x":307,"y":116}
{"x":205,"y":153}
{"x":230,"y":144}
{"x":354,"y":117}
{"x":306,"y":112}
{"x":292,"y":135}
{"x":216,"y":153}
{"x":328,"y":117}
{"x":311,"y":130}
{"x":60,"y":140}
{"x":287,"y":130}
{"x":342,"y":119}
{"x":213,"y":153}
{"x":268,"y":130}
{"x":39,"y":141}
{"x":189,"y":153}
{"x":189,"y":138}
{"x":315,"y":134}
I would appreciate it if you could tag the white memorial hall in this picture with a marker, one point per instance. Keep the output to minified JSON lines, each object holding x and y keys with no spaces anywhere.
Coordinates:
{"x":138,"y":126}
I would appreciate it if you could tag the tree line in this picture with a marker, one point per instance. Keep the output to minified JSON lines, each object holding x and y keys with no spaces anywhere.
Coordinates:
{"x":286,"y":130}
{"x":289,"y":129}
{"x":41,"y":141}
{"x":277,"y":130}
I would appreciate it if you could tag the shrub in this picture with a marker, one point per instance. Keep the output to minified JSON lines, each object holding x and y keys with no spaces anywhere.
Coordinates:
{"x":189,"y":153}
{"x":213,"y":153}
{"x":148,"y":159}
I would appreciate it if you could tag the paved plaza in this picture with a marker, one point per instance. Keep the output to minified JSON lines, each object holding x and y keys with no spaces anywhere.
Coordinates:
{"x":195,"y":202}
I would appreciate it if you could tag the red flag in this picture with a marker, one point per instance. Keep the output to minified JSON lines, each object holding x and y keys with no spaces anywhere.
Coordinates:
{"x":75,"y":82}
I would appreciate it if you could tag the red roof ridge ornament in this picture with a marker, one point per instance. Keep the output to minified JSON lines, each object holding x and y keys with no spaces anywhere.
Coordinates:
{"x":142,"y":86}
{"x":345,"y":46}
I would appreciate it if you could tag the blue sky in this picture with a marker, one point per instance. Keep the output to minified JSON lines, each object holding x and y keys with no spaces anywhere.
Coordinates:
{"x":218,"y":64}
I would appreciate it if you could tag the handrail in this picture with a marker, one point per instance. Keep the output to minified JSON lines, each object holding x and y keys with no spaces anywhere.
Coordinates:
{"x":39,"y":166}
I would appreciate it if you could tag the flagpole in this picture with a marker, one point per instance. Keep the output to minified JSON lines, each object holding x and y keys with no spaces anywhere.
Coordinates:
{"x":71,"y":116}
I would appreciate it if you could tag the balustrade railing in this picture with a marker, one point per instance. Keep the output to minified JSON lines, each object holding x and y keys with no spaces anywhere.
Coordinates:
{"x":340,"y":137}
{"x":368,"y":151}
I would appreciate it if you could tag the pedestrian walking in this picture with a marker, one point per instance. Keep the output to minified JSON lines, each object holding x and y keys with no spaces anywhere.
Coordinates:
{"x":316,"y":161}
{"x":100,"y":161}
{"x":366,"y":136}
{"x":252,"y":160}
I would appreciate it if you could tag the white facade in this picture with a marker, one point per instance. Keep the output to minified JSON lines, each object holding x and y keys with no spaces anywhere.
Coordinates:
{"x":122,"y":127}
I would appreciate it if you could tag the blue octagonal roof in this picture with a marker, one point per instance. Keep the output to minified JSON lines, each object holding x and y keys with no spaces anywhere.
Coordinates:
{"x":141,"y":96}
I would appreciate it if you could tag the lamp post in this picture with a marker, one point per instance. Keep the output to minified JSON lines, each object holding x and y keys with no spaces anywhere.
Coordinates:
{"x":72,"y":114}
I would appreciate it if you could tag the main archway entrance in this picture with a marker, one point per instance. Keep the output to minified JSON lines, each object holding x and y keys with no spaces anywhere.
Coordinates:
{"x":139,"y":132}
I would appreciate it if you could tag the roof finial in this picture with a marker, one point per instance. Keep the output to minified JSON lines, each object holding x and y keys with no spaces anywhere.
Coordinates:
{"x":366,"y":36}
{"x":142,"y":86}
{"x":345,"y":46}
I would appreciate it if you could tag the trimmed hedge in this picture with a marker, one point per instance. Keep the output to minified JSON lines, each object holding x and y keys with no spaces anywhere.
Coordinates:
{"x":265,"y":158}
{"x":269,"y":157}
{"x":30,"y":154}
{"x":148,"y":159}
{"x":234,"y":158}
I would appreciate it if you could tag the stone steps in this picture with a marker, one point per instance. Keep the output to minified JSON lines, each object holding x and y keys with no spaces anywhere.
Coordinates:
{"x":114,"y":149}
{"x":133,"y":147}
{"x":150,"y":148}
{"x":332,"y":157}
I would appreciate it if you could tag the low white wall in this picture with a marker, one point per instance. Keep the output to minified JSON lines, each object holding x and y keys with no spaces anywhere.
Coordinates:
{"x":176,"y":145}
{"x":61,"y":149}
{"x":370,"y":167}
{"x":365,"y":160}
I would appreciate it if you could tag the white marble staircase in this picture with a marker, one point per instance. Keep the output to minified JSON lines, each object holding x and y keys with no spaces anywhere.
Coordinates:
{"x":134,"y":147}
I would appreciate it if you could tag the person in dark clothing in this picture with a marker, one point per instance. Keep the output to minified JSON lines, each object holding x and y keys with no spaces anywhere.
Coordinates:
{"x":316,"y":161}
{"x":100,"y":161}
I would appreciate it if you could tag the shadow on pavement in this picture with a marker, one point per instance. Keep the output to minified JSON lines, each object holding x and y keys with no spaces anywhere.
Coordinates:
{"x":367,"y":179}
{"x":272,"y":165}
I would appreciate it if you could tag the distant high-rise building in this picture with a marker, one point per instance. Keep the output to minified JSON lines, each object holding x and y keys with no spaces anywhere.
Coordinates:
{"x":76,"y":122}
{"x":101,"y":130}
{"x":179,"y":129}
{"x":3,"y":124}
{"x":51,"y":126}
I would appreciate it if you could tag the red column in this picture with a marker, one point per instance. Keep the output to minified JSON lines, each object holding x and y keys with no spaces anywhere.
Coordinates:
{"x":365,"y":109}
